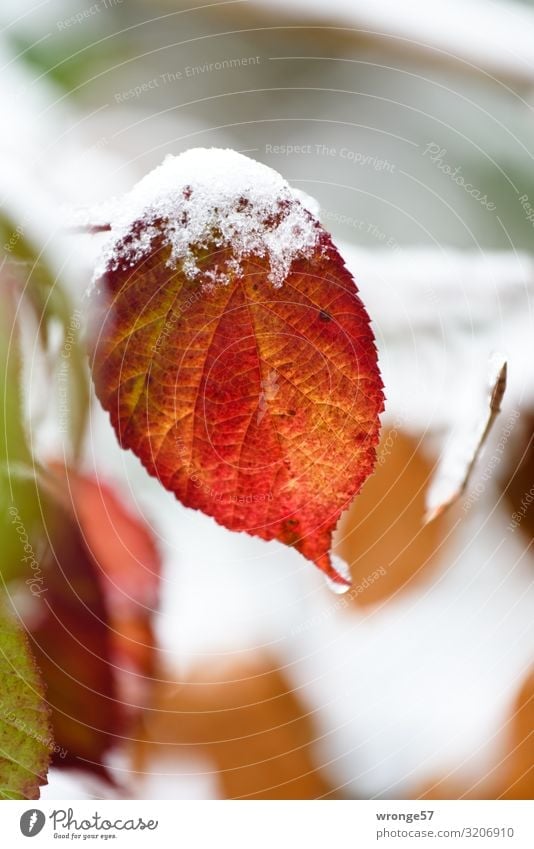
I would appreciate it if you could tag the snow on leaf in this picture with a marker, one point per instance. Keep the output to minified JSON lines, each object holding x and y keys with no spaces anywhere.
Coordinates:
{"x":211,"y":198}
{"x":232,"y":352}
{"x":24,"y":720}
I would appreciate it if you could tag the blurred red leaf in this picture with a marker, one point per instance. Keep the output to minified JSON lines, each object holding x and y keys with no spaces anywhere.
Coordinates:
{"x":128,"y":568}
{"x":253,"y":402}
{"x":93,"y":633}
{"x":72,"y":642}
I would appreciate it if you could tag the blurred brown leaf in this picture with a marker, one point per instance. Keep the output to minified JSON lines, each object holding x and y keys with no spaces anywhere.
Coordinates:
{"x":512,"y":776}
{"x":517,"y":483}
{"x":518,"y":769}
{"x":249,"y":720}
{"x":382,"y":536}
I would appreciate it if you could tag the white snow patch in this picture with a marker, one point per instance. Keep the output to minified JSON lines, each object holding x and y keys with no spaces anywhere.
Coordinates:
{"x":210,"y":197}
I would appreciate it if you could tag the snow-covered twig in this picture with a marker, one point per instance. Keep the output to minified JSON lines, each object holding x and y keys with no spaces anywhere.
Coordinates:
{"x":461,"y":455}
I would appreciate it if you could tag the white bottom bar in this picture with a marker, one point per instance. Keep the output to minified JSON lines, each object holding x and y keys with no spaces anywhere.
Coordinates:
{"x":270,"y":825}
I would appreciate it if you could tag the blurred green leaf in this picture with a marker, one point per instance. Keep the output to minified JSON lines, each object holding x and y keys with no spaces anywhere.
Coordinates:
{"x":51,"y":304}
{"x":71,"y":62}
{"x":17,"y":484}
{"x":25,"y":741}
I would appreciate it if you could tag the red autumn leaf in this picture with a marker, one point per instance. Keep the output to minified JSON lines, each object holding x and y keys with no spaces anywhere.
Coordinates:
{"x":232,"y":351}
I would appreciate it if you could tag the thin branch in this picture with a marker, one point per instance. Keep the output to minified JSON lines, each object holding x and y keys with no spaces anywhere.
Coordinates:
{"x":496,"y":395}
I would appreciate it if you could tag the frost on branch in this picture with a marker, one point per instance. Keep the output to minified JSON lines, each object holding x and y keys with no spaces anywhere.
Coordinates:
{"x":232,"y":352}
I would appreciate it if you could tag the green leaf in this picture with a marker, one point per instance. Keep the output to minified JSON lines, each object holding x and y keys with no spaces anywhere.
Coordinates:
{"x":15,"y":490}
{"x":25,"y":272}
{"x":25,"y":739}
{"x":26,"y":281}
